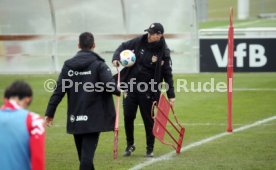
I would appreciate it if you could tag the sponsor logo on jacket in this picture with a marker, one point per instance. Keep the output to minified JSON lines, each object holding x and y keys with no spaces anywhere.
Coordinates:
{"x":77,"y":73}
{"x":72,"y":118}
{"x":79,"y":118}
{"x":82,"y":118}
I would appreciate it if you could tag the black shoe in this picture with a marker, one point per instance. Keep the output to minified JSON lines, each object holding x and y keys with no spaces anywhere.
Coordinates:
{"x":149,"y":153}
{"x":129,"y":150}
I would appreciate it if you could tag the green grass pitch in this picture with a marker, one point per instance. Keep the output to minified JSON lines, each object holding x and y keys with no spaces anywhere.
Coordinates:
{"x":203,"y":114}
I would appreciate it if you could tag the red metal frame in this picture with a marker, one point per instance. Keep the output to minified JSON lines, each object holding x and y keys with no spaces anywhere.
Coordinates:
{"x":160,"y":121}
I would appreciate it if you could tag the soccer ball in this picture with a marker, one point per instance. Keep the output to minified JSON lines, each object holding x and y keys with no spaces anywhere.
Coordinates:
{"x":127,"y":58}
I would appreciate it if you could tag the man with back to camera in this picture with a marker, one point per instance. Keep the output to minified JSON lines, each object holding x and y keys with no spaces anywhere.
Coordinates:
{"x":90,"y":110}
{"x":153,"y":63}
{"x":22,"y":133}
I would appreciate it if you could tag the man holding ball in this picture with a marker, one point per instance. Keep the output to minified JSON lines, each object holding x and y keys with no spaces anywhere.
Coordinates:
{"x":153,"y":65}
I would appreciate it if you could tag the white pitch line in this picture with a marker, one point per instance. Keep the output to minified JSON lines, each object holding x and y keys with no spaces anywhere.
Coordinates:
{"x":247,"y":23}
{"x":185,"y":124}
{"x":240,"y":24}
{"x":254,"y":89}
{"x":234,"y":90}
{"x":201,"y":142}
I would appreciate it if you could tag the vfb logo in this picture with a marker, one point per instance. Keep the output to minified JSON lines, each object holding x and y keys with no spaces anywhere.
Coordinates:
{"x":255,"y":54}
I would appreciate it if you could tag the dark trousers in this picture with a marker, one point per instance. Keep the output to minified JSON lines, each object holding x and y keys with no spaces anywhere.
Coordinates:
{"x":130,"y":103}
{"x":86,"y":145}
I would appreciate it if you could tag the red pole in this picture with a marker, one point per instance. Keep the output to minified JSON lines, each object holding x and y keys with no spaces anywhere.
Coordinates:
{"x":230,"y":70}
{"x":116,"y":128}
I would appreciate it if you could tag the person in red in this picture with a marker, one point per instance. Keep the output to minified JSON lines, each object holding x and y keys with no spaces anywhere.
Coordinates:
{"x":22,"y":133}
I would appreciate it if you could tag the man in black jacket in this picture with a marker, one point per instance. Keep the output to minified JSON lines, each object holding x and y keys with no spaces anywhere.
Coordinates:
{"x":89,"y":85}
{"x":153,"y":64}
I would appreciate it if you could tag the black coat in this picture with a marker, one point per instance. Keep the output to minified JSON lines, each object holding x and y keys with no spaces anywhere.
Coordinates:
{"x":88,"y":109}
{"x":144,"y":69}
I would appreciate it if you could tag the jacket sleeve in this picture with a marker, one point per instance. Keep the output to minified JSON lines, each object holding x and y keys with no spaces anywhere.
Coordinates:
{"x":35,"y":126}
{"x":125,"y":45}
{"x":57,"y":96}
{"x":107,"y":79}
{"x":167,"y":72}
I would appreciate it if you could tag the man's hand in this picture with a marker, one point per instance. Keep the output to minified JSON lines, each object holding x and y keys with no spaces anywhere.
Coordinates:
{"x":116,"y":63}
{"x":49,"y":121}
{"x":172,"y":100}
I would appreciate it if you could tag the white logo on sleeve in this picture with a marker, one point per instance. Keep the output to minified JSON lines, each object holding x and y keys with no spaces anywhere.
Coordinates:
{"x":37,"y":125}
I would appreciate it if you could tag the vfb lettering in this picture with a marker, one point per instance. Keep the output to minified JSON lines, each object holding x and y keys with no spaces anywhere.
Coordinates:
{"x":255,"y":54}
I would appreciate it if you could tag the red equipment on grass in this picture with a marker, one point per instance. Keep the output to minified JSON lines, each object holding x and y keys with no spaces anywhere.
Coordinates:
{"x":160,"y":122}
{"x":116,"y":128}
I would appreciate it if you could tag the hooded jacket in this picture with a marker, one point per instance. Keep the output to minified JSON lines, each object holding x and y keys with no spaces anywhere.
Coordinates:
{"x":145,"y":67}
{"x":89,"y":85}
